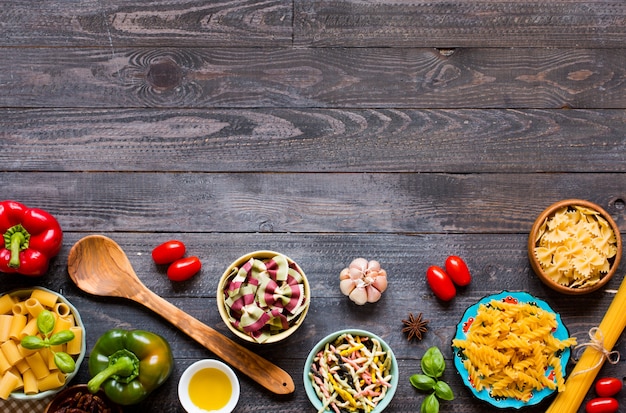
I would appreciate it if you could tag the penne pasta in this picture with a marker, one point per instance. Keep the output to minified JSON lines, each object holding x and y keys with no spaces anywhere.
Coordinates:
{"x":11,"y":352}
{"x":38,"y":365}
{"x":74,"y":347}
{"x":5,"y":326}
{"x":8,"y":383}
{"x":6,"y":304}
{"x":51,"y":381}
{"x":33,"y":306}
{"x":30,"y":382}
{"x":46,"y":298}
{"x":18,"y":322}
{"x":19,"y":308}
{"x":62,"y":310}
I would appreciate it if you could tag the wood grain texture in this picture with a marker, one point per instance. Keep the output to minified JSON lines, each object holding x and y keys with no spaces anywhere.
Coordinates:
{"x":313,"y":78}
{"x":448,"y":24}
{"x":313,"y":140}
{"x":111,"y":24}
{"x":310,"y":202}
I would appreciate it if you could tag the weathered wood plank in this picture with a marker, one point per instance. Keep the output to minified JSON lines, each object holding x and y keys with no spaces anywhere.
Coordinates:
{"x":112,"y":24}
{"x":494,"y":260}
{"x":311,"y":140}
{"x":334,"y":23}
{"x":446,"y":24}
{"x":313,"y":78}
{"x":309,"y":202}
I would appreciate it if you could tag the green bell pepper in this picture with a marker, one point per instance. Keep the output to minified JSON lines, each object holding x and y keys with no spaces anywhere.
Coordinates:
{"x":129,"y":365}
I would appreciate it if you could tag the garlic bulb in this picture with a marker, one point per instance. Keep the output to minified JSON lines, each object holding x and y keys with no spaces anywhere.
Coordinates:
{"x":363,"y":281}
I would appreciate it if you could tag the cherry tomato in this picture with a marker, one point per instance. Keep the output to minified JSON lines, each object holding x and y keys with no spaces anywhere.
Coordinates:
{"x":608,"y":386}
{"x":440,"y":283}
{"x":602,"y":405}
{"x":168,"y":252}
{"x":458,"y":271}
{"x":184,"y":268}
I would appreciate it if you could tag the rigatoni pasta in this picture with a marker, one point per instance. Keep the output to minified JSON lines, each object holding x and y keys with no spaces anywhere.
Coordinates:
{"x":33,"y":371}
{"x":509,"y":349}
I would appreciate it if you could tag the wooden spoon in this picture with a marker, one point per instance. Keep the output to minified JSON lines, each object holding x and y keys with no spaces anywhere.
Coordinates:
{"x":99,"y":266}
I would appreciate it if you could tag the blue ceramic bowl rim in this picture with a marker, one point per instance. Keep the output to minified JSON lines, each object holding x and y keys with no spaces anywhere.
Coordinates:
{"x":310,"y":392}
{"x":561,"y":333}
{"x":22,"y":292}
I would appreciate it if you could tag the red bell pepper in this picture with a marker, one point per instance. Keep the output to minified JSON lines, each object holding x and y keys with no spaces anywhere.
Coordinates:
{"x":31,"y":237}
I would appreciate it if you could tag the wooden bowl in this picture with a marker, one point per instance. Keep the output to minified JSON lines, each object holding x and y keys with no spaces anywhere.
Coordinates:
{"x":535,"y":233}
{"x":76,"y":391}
{"x":224,"y":309}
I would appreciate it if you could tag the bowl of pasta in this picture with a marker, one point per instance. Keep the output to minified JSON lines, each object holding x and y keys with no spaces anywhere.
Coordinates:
{"x":365,"y":378}
{"x":511,"y":350}
{"x":42,"y":369}
{"x":574,"y":247}
{"x":263,"y":297}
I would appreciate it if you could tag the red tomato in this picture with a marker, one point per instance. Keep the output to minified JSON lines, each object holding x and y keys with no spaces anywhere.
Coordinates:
{"x":168,"y":252}
{"x":440,"y":283}
{"x":602,"y":405}
{"x":458,"y":271}
{"x":608,"y":386}
{"x":184,"y":268}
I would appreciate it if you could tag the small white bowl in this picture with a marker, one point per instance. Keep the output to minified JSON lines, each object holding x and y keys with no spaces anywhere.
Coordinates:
{"x":185,"y":379}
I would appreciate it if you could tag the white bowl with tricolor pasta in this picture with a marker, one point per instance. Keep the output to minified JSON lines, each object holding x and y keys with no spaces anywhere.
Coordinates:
{"x":263,"y":297}
{"x":32,"y":374}
{"x":365,"y":378}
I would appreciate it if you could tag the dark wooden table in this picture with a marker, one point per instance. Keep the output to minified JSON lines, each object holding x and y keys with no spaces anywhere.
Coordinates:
{"x":326,"y":130}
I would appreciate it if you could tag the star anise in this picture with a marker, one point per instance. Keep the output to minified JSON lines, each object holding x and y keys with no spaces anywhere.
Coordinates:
{"x":415,"y":326}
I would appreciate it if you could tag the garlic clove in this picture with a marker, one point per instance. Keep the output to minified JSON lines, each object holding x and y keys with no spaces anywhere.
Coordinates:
{"x":359,"y":295}
{"x":359,"y":263}
{"x":373,"y":294}
{"x":380,"y":283}
{"x":355,"y":273}
{"x":373,"y":265}
{"x":346,"y":286}
{"x":344,"y":274}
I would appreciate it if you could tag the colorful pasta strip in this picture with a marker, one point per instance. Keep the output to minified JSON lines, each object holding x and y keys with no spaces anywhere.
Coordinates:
{"x":351,"y":374}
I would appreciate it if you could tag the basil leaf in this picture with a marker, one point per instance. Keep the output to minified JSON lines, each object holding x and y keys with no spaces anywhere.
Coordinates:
{"x":422,"y":382}
{"x":61,"y":337}
{"x":433,"y":363}
{"x":430,"y":404}
{"x":443,"y":391}
{"x":45,"y":322}
{"x":33,"y":343}
{"x":64,"y":362}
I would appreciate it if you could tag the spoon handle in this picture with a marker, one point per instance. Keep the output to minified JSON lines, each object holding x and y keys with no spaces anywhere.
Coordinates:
{"x":249,"y":363}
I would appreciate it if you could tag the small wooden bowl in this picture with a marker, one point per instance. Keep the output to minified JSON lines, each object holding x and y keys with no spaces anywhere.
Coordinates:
{"x":72,"y":391}
{"x":224,"y":309}
{"x":532,"y":242}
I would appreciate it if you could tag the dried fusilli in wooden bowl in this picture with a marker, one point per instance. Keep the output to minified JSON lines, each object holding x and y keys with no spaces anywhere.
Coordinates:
{"x":574,"y":247}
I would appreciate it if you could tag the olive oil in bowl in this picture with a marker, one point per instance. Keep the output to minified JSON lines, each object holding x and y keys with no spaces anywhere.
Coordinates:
{"x":208,"y":386}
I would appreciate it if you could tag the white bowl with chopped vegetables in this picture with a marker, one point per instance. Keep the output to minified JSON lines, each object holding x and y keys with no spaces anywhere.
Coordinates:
{"x":364,"y":377}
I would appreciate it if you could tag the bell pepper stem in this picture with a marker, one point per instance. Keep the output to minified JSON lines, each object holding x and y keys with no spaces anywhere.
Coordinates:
{"x":15,"y":240}
{"x":123,"y":366}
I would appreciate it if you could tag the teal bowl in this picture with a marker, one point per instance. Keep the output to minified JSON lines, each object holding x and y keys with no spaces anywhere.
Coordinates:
{"x":560,"y":333}
{"x":310,"y":391}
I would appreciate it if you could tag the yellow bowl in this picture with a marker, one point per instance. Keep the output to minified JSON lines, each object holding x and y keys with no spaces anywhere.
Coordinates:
{"x":224,"y":310}
{"x":22,"y":295}
{"x":535,"y":233}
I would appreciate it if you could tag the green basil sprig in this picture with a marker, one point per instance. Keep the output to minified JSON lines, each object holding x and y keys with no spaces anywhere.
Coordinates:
{"x":45,"y":324}
{"x":433,"y":365}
